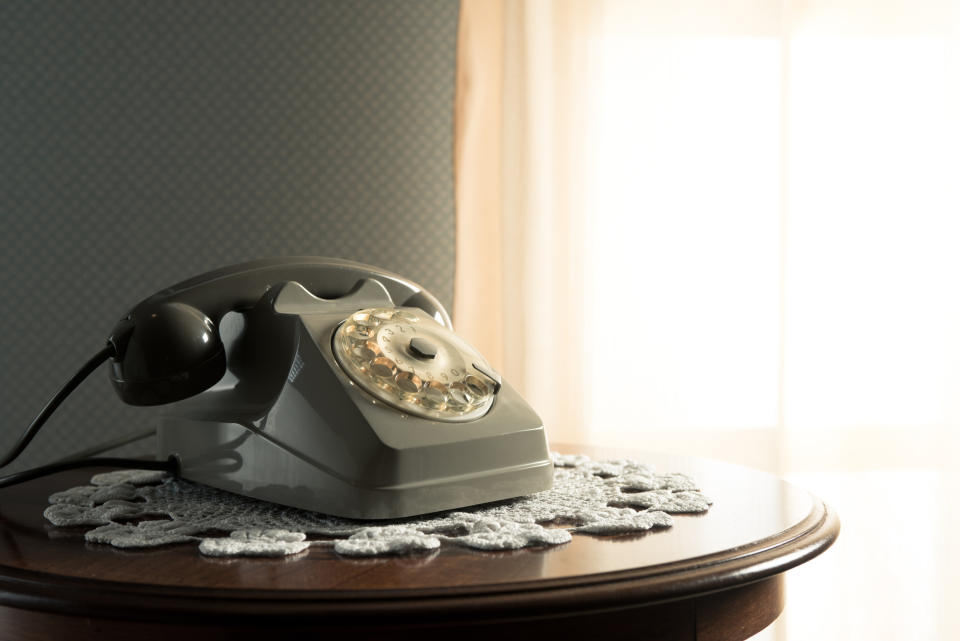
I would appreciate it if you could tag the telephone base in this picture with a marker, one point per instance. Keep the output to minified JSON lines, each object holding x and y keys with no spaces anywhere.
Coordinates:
{"x":242,"y":459}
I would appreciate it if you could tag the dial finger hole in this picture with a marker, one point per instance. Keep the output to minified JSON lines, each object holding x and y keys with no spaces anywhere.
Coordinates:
{"x":459,"y":396}
{"x":383,"y":314}
{"x":358,"y":333}
{"x":406,"y":316}
{"x":365,"y":352}
{"x":409,"y":383}
{"x":477,"y":388}
{"x":383,"y":367}
{"x":365,"y":318}
{"x":434,"y":395}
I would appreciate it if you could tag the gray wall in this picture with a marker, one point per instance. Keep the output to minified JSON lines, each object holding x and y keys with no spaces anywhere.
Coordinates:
{"x":142,"y":142}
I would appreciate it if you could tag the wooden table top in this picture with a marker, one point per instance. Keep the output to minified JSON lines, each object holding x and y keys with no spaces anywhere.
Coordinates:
{"x":758,"y":527}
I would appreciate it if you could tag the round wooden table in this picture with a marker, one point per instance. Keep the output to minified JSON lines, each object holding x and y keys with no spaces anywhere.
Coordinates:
{"x":717,"y":575}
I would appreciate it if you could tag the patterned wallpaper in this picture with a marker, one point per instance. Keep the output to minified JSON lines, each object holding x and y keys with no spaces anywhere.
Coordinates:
{"x":145,"y":141}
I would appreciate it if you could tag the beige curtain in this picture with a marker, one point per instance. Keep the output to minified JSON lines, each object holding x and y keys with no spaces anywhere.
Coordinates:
{"x":519,"y":259}
{"x":729,"y":228}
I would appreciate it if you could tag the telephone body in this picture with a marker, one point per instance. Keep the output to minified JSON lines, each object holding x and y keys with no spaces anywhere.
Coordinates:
{"x":327,"y":385}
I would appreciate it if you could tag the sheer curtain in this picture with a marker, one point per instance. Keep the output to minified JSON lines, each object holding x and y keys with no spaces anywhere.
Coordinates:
{"x":520,"y":257}
{"x":731,"y":228}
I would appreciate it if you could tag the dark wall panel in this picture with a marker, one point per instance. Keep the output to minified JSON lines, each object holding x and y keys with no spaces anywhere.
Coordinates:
{"x":142,"y":142}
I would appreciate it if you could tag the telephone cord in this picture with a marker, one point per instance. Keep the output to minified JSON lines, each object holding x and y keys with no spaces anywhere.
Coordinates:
{"x":74,"y":461}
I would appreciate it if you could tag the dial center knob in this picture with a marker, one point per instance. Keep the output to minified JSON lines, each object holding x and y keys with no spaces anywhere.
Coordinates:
{"x":423,"y":348}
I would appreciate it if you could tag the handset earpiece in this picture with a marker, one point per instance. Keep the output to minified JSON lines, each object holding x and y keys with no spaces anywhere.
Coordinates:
{"x":165,"y":353}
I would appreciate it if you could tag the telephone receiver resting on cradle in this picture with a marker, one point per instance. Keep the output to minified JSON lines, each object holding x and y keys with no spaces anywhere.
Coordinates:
{"x":327,"y":385}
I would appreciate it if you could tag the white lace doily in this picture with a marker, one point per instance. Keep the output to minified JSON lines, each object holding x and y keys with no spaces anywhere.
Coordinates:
{"x":141,"y":509}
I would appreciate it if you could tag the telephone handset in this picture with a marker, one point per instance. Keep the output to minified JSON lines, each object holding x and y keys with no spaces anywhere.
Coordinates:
{"x":327,"y":385}
{"x":176,"y":350}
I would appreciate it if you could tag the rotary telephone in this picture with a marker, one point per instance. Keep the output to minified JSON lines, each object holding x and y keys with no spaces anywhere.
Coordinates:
{"x":327,"y":385}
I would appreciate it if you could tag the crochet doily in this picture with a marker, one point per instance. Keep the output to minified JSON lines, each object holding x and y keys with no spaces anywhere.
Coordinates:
{"x":142,"y":509}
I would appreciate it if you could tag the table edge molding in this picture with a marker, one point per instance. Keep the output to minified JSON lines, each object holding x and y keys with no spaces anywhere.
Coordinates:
{"x":626,"y":588}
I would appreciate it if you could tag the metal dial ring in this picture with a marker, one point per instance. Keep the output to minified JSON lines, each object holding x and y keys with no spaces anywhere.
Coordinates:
{"x":404,"y":358}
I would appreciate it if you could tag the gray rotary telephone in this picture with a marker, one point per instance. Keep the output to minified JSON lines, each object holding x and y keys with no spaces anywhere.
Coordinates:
{"x":326,"y":385}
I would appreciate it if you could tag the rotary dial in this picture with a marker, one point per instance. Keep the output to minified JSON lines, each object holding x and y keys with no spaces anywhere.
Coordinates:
{"x":406,"y":359}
